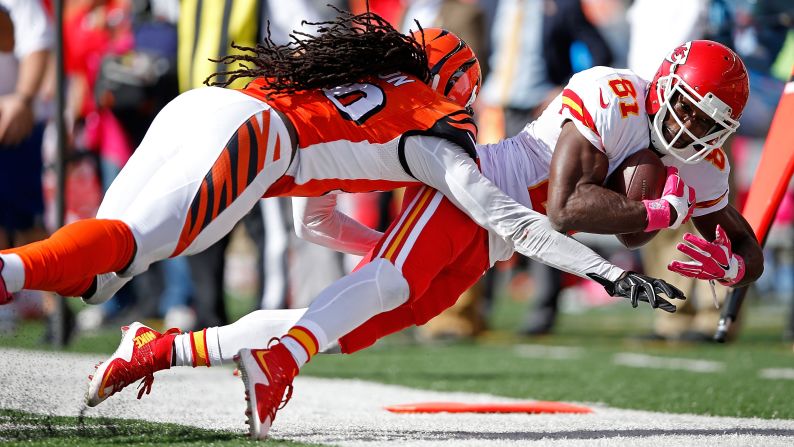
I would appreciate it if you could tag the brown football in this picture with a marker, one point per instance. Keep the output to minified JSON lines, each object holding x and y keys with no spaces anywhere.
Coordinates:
{"x":641,"y":176}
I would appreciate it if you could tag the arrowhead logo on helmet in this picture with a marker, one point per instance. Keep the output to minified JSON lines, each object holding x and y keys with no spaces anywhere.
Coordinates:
{"x":711,"y":77}
{"x":679,"y":54}
{"x":454,"y":68}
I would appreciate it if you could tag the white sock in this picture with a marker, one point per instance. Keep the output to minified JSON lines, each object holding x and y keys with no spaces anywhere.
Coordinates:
{"x":253,"y":331}
{"x":13,"y":272}
{"x":183,"y":352}
{"x":297,"y":350}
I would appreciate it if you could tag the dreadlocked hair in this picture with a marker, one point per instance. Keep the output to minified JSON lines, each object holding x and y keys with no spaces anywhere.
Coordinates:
{"x":344,"y":50}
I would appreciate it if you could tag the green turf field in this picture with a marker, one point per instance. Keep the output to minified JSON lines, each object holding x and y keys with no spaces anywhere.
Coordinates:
{"x":497,"y":364}
{"x":25,"y":429}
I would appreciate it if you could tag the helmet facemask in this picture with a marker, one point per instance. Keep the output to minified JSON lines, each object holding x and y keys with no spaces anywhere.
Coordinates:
{"x":667,"y":89}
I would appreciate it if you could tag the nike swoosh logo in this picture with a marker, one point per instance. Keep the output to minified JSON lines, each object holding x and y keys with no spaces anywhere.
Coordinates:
{"x":724,"y":267}
{"x":604,"y":104}
{"x":101,"y":391}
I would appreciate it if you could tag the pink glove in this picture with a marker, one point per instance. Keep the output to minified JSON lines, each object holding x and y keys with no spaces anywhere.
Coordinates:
{"x":676,"y":194}
{"x":712,"y":260}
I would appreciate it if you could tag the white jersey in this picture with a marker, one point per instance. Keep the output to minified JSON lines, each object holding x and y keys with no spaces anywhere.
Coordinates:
{"x":607,"y":106}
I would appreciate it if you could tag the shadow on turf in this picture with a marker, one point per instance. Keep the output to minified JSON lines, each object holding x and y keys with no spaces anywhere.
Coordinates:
{"x":21,"y":426}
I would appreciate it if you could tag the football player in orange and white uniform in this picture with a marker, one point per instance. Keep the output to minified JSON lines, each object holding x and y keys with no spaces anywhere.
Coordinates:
{"x":213,"y":152}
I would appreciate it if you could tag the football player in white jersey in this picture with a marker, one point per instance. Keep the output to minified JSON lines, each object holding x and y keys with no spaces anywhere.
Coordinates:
{"x":693,"y":105}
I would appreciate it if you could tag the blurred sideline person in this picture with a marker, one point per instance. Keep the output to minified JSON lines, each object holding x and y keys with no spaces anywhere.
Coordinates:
{"x":25,"y":42}
{"x":531,"y":62}
{"x":569,"y":149}
{"x":24,"y":59}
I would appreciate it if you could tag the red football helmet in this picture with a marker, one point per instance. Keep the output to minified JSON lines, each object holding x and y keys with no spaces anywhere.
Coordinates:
{"x":454,"y":69}
{"x":712,"y":77}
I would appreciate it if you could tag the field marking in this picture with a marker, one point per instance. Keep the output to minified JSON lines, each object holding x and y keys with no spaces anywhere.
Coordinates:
{"x":548,"y":352}
{"x":777,"y":373}
{"x":635,"y":360}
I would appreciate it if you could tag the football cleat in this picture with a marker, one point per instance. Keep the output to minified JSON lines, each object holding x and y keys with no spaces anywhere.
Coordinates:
{"x":142,"y":352}
{"x":5,"y":297}
{"x":267,"y":374}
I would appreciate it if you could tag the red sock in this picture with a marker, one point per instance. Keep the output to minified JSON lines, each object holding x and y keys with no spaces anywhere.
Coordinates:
{"x":68,"y":260}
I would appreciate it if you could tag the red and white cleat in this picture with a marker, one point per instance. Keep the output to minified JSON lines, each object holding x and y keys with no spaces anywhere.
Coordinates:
{"x":142,"y":352}
{"x":267,"y":374}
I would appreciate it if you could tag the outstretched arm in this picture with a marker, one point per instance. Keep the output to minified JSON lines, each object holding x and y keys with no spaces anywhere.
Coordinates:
{"x":447,"y":168}
{"x":318,"y":221}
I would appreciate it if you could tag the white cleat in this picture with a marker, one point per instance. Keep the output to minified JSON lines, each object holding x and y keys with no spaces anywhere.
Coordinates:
{"x":267,"y":374}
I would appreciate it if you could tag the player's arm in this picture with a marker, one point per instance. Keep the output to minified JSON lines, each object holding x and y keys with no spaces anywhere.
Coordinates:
{"x":317,"y":220}
{"x":729,"y":253}
{"x":577,"y":200}
{"x":446,"y":167}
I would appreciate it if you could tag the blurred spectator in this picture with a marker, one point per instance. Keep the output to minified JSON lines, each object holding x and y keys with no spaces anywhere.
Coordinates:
{"x":658,"y":27}
{"x":27,"y":37}
{"x":25,"y":41}
{"x":532,"y":42}
{"x":762,"y":33}
{"x":121,"y":57}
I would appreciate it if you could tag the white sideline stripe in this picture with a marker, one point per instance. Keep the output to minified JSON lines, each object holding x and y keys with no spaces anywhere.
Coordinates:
{"x":777,"y":373}
{"x":349,"y":413}
{"x":649,"y":361}
{"x":548,"y":352}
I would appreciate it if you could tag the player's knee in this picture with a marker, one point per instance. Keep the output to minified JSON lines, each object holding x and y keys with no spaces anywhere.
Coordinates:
{"x":393,"y":288}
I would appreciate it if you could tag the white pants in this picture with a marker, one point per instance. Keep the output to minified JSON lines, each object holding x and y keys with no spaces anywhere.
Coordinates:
{"x":206,"y":160}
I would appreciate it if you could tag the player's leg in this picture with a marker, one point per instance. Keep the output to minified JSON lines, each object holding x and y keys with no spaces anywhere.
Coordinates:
{"x":207,"y":199}
{"x":211,"y":157}
{"x":85,"y":248}
{"x":468,"y":265}
{"x":429,"y":235}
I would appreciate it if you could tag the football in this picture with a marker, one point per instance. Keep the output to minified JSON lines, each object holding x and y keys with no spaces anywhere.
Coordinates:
{"x":641,"y":176}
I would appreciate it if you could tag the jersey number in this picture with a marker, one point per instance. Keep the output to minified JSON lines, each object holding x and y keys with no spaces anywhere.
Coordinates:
{"x":625,"y":90}
{"x":357,"y":102}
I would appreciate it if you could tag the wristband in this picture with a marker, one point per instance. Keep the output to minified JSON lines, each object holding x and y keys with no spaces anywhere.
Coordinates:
{"x":658,"y":214}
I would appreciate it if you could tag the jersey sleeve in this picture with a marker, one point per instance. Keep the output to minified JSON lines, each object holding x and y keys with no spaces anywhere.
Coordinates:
{"x":712,"y":186}
{"x":605,"y":106}
{"x":317,"y":220}
{"x":447,"y":168}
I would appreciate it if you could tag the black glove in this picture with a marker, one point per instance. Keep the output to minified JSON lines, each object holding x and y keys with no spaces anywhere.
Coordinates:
{"x":638,"y":288}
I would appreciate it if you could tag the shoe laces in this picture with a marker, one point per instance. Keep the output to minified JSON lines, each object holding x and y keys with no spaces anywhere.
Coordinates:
{"x":144,"y":360}
{"x":288,"y":388}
